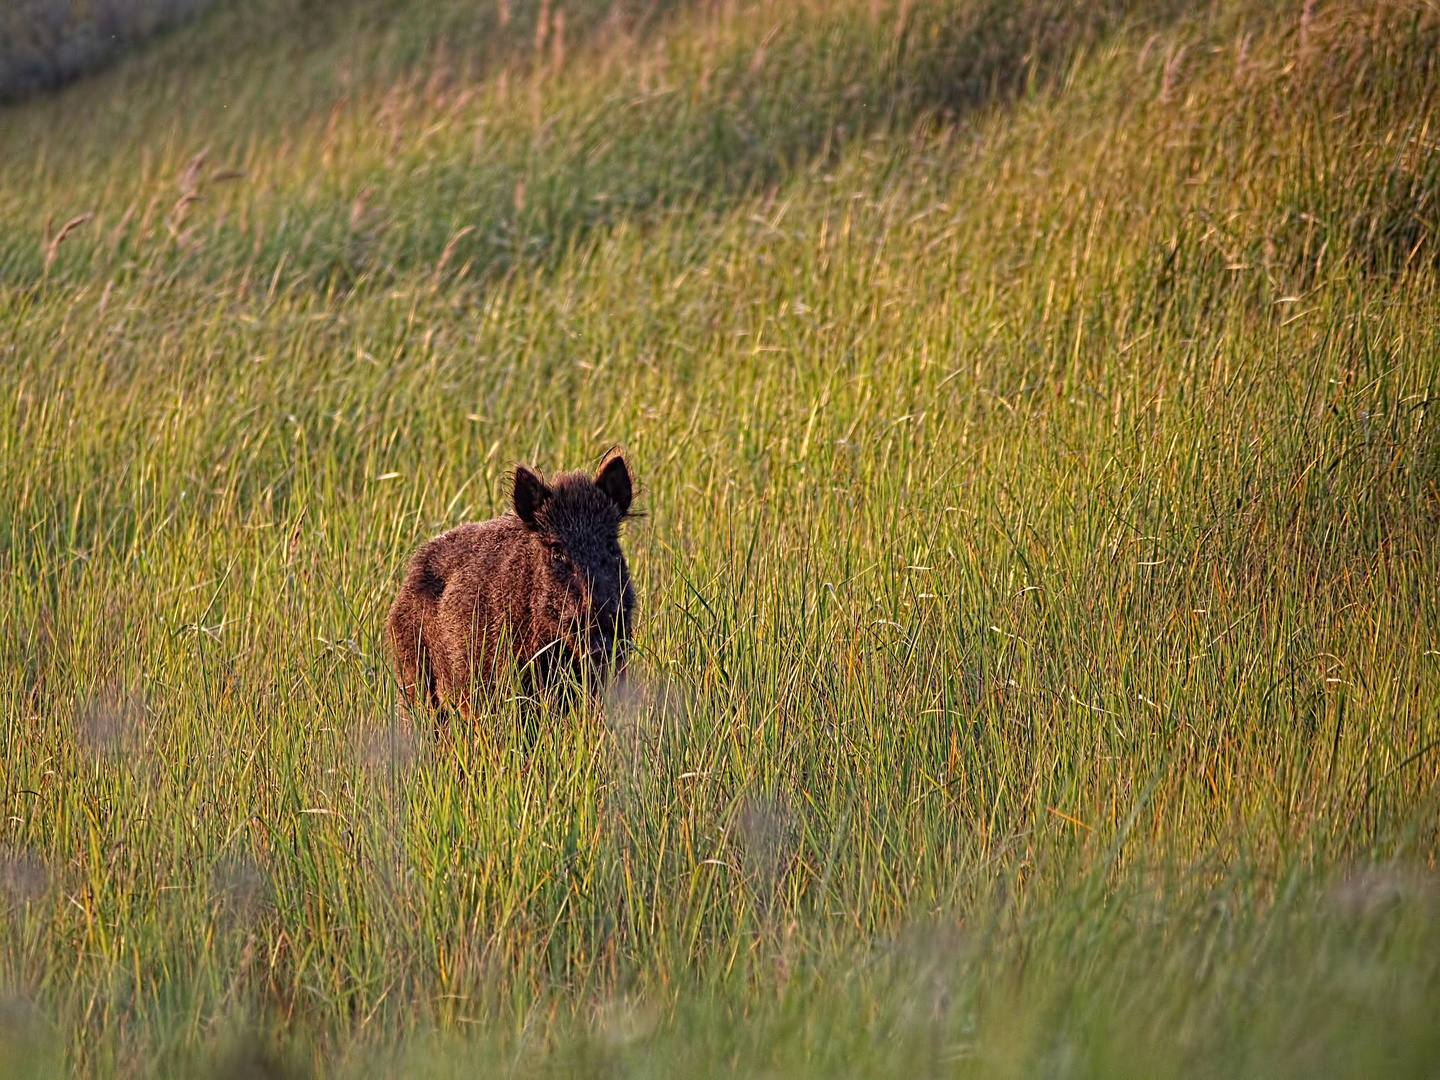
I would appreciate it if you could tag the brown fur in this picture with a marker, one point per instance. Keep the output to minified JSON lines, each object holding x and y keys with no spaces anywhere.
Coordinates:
{"x":544,"y":587}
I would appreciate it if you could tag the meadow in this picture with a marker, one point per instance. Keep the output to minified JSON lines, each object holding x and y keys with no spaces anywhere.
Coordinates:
{"x":1035,"y":413}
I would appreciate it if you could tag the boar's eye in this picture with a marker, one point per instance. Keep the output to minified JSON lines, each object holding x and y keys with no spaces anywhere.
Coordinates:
{"x":557,"y":560}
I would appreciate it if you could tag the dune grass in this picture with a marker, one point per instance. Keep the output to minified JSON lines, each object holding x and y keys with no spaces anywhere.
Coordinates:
{"x":1035,"y":417}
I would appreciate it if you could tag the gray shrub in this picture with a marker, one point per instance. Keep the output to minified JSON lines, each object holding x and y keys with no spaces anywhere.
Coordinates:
{"x":46,"y":43}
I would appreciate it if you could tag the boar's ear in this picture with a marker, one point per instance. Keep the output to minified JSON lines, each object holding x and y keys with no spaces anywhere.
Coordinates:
{"x":531,"y":493}
{"x":613,"y":479}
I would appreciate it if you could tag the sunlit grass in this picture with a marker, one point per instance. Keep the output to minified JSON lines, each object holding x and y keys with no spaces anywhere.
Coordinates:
{"x":1034,"y":416}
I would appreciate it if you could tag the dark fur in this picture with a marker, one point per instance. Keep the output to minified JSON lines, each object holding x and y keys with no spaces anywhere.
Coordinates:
{"x":544,"y":587}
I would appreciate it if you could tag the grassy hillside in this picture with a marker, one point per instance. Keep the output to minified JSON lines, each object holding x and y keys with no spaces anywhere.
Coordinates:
{"x":1035,"y":411}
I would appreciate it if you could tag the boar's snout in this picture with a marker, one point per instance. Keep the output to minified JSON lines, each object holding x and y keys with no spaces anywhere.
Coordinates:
{"x":605,"y":619}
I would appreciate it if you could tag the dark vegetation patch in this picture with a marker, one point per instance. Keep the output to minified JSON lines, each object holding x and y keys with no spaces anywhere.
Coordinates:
{"x":47,"y":43}
{"x":1372,"y":196}
{"x":1347,"y":495}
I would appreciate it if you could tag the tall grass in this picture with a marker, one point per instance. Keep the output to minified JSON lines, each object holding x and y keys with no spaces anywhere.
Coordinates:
{"x":1034,"y":411}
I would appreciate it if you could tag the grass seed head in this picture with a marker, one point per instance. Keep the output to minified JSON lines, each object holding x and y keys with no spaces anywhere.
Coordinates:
{"x":111,"y":723}
{"x":24,"y":876}
{"x":766,"y":830}
{"x":239,"y":889}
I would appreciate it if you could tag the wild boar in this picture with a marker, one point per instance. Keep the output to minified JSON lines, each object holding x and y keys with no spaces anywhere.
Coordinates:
{"x":543,"y":590}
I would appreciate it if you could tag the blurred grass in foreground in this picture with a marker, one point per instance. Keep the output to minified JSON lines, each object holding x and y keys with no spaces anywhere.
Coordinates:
{"x":1035,"y":413}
